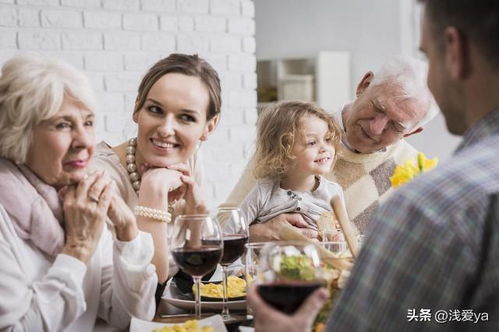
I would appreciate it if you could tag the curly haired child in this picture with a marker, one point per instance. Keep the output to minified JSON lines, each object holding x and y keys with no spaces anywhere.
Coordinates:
{"x":296,"y":144}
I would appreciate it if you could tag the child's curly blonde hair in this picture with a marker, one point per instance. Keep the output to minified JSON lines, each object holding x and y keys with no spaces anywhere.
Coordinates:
{"x":277,"y":129}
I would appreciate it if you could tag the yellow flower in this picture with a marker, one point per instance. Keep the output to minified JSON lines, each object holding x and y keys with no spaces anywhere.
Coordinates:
{"x":410,"y":169}
{"x":426,"y":164}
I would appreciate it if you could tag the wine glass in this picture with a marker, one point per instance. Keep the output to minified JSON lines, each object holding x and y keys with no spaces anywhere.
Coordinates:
{"x":339,"y":248}
{"x":196,"y":246}
{"x":235,"y":236}
{"x":251,"y":260}
{"x":332,"y":235}
{"x":288,"y":273}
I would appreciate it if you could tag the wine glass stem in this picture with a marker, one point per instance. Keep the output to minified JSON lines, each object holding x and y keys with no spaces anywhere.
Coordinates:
{"x":225,"y":307}
{"x":250,"y":276}
{"x":197,"y":282}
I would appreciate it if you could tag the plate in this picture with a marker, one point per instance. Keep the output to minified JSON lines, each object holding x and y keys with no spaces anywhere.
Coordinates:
{"x":170,"y":296}
{"x":139,"y":325}
{"x":217,"y":299}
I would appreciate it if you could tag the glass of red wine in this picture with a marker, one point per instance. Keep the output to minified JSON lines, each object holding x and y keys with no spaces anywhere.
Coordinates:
{"x":235,"y":236}
{"x":288,"y":273}
{"x":196,"y":244}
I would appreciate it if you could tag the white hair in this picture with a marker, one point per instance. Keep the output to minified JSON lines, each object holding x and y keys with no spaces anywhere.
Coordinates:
{"x":32,"y":89}
{"x":410,"y":74}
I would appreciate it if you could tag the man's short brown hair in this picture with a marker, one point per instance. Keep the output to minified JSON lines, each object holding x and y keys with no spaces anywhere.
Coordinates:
{"x":477,"y":20}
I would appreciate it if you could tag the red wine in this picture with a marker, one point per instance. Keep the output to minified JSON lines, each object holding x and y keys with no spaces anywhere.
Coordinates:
{"x":197,"y":262}
{"x":287,"y":296}
{"x":233,"y":248}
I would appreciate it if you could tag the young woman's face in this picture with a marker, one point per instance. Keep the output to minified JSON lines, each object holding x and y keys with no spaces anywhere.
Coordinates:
{"x":172,"y":120}
{"x":63,"y":145}
{"x":313,"y":148}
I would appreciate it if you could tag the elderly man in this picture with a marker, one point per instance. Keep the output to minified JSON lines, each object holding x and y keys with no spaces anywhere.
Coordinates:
{"x":392,"y":104}
{"x":433,"y":264}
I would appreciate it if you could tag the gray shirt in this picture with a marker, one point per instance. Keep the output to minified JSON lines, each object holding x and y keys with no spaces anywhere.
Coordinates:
{"x":267,"y":200}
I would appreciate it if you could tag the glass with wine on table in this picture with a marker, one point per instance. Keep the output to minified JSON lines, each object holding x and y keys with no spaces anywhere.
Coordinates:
{"x":288,"y":273}
{"x":196,"y":246}
{"x":235,"y":236}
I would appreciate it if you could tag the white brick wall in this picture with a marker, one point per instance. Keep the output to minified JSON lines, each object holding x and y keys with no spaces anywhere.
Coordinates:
{"x":116,"y":41}
{"x":61,"y":19}
{"x":101,"y":19}
{"x":159,"y":5}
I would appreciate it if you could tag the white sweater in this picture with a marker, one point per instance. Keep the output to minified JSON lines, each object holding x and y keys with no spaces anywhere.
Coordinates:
{"x":37,"y":294}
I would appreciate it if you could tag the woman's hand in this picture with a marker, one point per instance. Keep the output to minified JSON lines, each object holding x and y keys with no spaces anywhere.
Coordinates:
{"x":194,"y":204}
{"x":85,"y":209}
{"x":155,"y":192}
{"x":122,"y":218}
{"x":158,"y":185}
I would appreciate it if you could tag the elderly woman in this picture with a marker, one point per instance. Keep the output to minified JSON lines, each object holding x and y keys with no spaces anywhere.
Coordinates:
{"x":61,"y":266}
{"x":158,"y":173}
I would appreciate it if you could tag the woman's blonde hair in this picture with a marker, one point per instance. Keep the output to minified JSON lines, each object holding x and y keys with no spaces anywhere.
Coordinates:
{"x":277,"y":129}
{"x":32,"y":89}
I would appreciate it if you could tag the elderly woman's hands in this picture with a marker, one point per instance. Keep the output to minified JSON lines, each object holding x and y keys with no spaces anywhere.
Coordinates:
{"x":122,"y":218}
{"x":119,"y":213}
{"x":85,"y":210}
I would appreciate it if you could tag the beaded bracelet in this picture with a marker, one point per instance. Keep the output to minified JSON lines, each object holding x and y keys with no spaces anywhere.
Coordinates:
{"x":156,"y":214}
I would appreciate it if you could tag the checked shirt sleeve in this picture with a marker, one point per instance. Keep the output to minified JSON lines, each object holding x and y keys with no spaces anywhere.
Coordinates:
{"x":416,"y":242}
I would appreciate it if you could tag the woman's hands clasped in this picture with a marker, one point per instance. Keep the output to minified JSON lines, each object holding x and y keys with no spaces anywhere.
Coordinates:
{"x":171,"y":183}
{"x":85,"y":210}
{"x":194,"y":204}
{"x":86,"y":206}
{"x":158,"y":186}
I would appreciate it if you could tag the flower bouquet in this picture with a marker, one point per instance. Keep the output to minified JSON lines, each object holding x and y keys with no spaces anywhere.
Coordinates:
{"x":410,"y":169}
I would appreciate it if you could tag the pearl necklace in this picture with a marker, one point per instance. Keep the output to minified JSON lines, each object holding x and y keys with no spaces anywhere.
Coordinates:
{"x":131,"y":166}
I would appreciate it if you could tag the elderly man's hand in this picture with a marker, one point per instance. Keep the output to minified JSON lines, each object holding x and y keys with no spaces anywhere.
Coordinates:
{"x":269,"y":319}
{"x":269,"y":230}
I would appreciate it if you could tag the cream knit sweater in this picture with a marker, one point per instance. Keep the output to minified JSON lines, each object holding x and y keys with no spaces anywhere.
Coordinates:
{"x":363,"y":177}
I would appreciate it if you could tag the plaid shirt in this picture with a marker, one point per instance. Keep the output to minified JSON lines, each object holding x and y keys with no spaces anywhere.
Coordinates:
{"x":433,"y":246}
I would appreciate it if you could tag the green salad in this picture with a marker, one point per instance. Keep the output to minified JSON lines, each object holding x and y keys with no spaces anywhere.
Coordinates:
{"x":297,"y":267}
